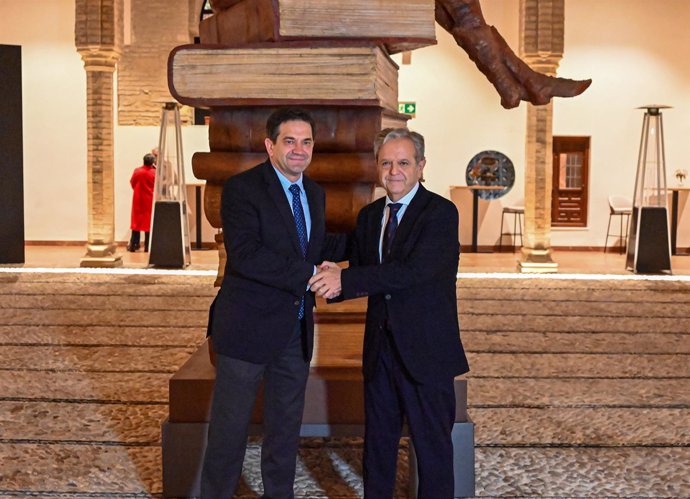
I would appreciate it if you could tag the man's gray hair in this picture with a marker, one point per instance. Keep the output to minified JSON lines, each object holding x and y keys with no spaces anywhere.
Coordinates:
{"x":388,"y":134}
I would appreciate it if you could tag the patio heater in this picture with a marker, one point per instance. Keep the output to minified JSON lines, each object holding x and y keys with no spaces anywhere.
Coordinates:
{"x":649,"y":249}
{"x":170,"y":245}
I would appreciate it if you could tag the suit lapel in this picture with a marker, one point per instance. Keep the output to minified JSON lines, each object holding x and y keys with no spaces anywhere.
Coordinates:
{"x":276,"y":193}
{"x":412,"y":213}
{"x":316,"y":212}
{"x":374,"y":222}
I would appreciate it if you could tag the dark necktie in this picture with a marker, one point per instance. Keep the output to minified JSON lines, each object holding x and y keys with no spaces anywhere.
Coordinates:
{"x":301,"y":225}
{"x":389,"y":231}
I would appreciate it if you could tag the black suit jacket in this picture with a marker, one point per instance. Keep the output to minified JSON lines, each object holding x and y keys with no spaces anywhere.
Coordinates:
{"x":413,"y":293}
{"x":255,"y":313}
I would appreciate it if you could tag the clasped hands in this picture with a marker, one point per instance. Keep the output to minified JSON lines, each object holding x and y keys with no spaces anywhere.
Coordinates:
{"x":326,"y":282}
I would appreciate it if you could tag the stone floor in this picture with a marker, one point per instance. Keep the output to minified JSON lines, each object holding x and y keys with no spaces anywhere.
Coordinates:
{"x":578,"y":388}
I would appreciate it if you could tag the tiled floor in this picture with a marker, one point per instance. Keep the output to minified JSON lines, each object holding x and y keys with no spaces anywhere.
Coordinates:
{"x":579,"y":387}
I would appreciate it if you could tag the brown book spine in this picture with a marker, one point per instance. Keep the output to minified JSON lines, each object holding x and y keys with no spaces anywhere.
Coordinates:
{"x":333,"y":72}
{"x":328,"y":167}
{"x":212,"y":195}
{"x":338,"y":129}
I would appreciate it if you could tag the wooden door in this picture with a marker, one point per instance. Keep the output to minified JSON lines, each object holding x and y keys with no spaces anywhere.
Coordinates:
{"x":570,"y":181}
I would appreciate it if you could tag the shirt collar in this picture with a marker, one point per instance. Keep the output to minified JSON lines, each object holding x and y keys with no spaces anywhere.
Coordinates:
{"x":285,"y":183}
{"x":406,"y":199}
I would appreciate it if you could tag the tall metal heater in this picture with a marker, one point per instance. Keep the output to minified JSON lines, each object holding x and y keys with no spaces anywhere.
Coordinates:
{"x":649,"y":247}
{"x":170,"y":245}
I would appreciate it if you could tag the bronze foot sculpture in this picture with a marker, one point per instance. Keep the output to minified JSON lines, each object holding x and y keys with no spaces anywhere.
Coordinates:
{"x":513,"y":79}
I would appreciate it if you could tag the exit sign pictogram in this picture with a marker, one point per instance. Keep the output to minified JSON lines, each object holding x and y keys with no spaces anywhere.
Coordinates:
{"x":408,"y":108}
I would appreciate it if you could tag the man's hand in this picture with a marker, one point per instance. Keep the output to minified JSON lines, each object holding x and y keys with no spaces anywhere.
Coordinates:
{"x":326,"y":283}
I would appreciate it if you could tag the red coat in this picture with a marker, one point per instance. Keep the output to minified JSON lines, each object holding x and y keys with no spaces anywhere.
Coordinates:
{"x":142,"y":181}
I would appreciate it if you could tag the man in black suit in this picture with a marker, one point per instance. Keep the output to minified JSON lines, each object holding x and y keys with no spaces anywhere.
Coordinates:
{"x":405,"y":259}
{"x":261,"y":322}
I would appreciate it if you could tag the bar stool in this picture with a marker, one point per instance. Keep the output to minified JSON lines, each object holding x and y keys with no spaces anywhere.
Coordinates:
{"x":516,"y":209}
{"x":619,"y":206}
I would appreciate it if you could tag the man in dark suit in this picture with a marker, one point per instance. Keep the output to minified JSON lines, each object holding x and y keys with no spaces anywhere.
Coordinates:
{"x":405,"y":259}
{"x":261,"y":322}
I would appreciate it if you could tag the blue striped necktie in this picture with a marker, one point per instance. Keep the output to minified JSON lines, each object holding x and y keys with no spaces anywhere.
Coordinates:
{"x":301,"y":225}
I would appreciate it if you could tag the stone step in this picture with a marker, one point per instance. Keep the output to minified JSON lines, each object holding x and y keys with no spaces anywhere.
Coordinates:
{"x":152,"y":388}
{"x":65,"y":470}
{"x":107,"y":288}
{"x":503,"y":365}
{"x":97,"y":335}
{"x":567,"y":365}
{"x":55,"y":422}
{"x":575,"y":342}
{"x":488,"y":393}
{"x":90,"y":302}
{"x":568,"y":294}
{"x":574,"y":308}
{"x":622,"y":283}
{"x":105,"y":388}
{"x":170,"y":318}
{"x":108,"y":276}
{"x":581,"y":323}
{"x":94,"y":359}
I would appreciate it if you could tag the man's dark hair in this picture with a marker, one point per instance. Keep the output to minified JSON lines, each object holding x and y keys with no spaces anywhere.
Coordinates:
{"x":149,"y":159}
{"x":280,"y":116}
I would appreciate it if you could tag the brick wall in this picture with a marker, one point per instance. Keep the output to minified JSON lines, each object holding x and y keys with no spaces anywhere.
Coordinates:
{"x":156,"y":27}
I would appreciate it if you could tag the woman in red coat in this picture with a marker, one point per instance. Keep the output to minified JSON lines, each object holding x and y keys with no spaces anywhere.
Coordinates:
{"x":142,"y":181}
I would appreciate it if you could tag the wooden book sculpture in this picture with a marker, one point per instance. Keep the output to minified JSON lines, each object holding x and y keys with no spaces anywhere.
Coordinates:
{"x":332,"y":57}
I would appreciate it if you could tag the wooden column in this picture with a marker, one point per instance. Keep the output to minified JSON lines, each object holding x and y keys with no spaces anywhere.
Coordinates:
{"x":541,"y":46}
{"x":98,"y":40}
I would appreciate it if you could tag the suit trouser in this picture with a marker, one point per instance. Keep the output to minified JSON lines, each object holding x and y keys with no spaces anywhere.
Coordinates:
{"x":234,"y":394}
{"x":390,"y":396}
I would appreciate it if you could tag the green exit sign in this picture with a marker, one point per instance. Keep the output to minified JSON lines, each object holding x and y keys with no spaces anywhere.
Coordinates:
{"x":408,"y":108}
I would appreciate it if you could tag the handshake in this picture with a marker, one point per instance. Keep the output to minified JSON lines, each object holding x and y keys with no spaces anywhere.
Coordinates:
{"x":326,"y":282}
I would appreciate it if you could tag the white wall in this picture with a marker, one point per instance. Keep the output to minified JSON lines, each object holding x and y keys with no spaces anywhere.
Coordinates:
{"x":636,"y":52}
{"x":54,"y":117}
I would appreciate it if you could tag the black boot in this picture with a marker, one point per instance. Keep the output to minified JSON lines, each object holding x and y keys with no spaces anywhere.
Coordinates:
{"x":133,"y":242}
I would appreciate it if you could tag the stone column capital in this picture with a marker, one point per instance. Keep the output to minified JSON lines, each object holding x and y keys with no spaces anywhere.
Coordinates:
{"x":97,"y":59}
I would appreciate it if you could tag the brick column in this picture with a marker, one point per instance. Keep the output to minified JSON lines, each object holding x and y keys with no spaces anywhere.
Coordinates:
{"x":541,"y":46}
{"x":98,"y":40}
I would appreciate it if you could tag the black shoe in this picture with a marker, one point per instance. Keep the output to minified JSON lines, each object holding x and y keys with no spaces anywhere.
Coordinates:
{"x":132,"y":248}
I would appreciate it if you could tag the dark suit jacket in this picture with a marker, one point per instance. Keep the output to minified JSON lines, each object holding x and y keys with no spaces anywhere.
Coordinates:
{"x":413,"y":293}
{"x":255,"y":313}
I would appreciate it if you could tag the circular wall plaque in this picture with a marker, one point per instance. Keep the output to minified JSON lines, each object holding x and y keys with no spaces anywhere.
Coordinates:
{"x":491,"y":168}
